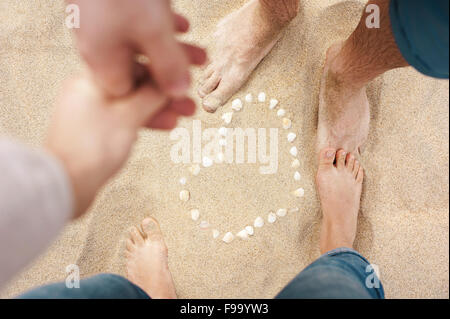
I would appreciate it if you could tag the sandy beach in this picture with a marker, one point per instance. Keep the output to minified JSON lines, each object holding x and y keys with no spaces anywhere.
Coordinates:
{"x":404,"y":219}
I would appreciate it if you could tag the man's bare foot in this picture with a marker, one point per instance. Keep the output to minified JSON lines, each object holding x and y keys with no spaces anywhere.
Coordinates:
{"x":242,"y":40}
{"x":344,"y":112}
{"x":147,"y":264}
{"x":339,"y":185}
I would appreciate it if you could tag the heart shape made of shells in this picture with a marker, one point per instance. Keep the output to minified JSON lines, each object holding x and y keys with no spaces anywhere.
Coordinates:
{"x":247,"y":230}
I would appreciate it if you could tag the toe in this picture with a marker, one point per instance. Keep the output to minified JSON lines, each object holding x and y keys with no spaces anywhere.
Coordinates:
{"x":209,"y":85}
{"x":136,"y":236}
{"x":350,"y":162}
{"x":211,"y":103}
{"x":150,"y":227}
{"x":130,"y":246}
{"x":221,"y":94}
{"x":356,"y":167}
{"x":360,"y":176}
{"x":340,"y":159}
{"x":207,"y":73}
{"x":327,"y":156}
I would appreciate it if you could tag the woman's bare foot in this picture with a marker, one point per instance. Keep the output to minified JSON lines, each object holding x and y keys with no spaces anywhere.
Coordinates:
{"x":344,"y":112}
{"x":147,"y":264}
{"x":242,"y":40}
{"x":339,"y":185}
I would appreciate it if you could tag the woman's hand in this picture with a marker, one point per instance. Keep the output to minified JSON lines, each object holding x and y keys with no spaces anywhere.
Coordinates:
{"x":113,"y":32}
{"x":92,"y":134}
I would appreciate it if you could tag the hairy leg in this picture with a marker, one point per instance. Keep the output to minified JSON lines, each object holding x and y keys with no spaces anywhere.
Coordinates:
{"x":344,"y":108}
{"x":242,"y":40}
{"x":368,"y":53}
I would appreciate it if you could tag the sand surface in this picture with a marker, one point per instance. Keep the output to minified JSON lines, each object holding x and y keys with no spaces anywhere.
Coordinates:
{"x":404,"y":223}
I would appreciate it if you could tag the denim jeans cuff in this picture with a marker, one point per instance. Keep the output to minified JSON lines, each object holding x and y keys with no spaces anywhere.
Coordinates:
{"x":344,"y":250}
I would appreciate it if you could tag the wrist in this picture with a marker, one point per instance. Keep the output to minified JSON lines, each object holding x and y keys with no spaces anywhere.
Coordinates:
{"x":82,"y":190}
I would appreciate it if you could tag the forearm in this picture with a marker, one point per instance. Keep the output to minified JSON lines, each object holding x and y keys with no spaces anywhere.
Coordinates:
{"x":35,"y":203}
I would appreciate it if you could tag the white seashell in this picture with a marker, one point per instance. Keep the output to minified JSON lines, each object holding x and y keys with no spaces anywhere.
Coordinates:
{"x":236,"y":105}
{"x":281,"y":113}
{"x":183,"y":181}
{"x":291,"y":137}
{"x":227,"y":117}
{"x":293,"y":151}
{"x":293,"y":210}
{"x":228,"y":238}
{"x":287,"y":123}
{"x":250,"y":230}
{"x":271,"y":218}
{"x":207,"y":162}
{"x":184,"y":195}
{"x":297,"y":176}
{"x":242,"y":234}
{"x":282,"y":212}
{"x":262,"y":97}
{"x":249,"y":98}
{"x":195,"y":169}
{"x":273,"y":104}
{"x":204,"y":225}
{"x":223,"y":142}
{"x":259,"y":222}
{"x":220,"y":158}
{"x":295,"y":163}
{"x":223,"y":131}
{"x":215,"y":233}
{"x":299,"y":192}
{"x":195,"y":214}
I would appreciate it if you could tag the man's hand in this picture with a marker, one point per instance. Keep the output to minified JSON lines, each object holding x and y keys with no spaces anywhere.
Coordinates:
{"x":113,"y":32}
{"x":92,"y":134}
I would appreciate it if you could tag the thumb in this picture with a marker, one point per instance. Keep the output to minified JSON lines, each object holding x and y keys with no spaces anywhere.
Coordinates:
{"x":142,"y":105}
{"x":111,"y":64}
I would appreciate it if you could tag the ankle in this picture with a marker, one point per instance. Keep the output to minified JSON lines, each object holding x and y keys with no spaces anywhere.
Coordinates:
{"x":335,"y":235}
{"x":342,"y":71}
{"x":278,"y":13}
{"x":340,"y":77}
{"x":329,"y":244}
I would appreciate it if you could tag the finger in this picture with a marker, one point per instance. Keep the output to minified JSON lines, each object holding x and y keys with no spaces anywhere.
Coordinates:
{"x":196,"y":55}
{"x":165,"y":120}
{"x":143,"y":104}
{"x":169,"y":63}
{"x":181,"y":23}
{"x":184,"y":107}
{"x":111,"y":66}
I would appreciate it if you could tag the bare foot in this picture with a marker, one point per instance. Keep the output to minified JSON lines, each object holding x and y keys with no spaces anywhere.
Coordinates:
{"x":344,"y":112}
{"x":242,"y":40}
{"x":339,"y":186}
{"x":147,"y":264}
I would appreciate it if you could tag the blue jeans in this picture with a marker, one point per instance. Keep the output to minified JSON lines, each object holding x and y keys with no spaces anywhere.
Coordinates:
{"x":340,"y":273}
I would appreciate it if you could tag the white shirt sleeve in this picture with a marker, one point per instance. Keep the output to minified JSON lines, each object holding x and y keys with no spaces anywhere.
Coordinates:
{"x":36,"y":200}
